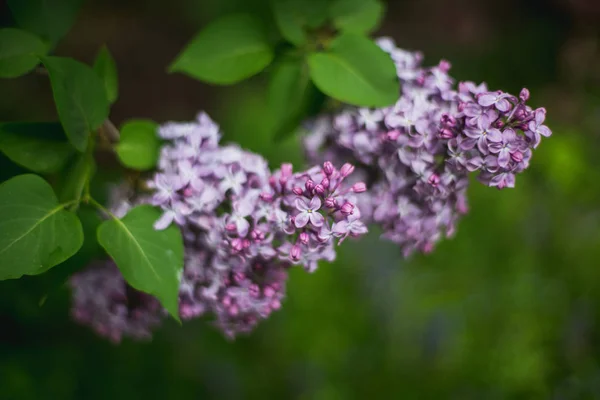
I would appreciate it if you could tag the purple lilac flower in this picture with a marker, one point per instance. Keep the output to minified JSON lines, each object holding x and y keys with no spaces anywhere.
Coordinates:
{"x":103,"y":300}
{"x":243,"y":226}
{"x":505,"y":129}
{"x":414,"y":195}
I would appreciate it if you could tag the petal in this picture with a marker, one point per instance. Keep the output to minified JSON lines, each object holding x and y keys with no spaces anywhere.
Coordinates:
{"x":316,"y":219}
{"x":242,"y":225}
{"x":544,"y":131}
{"x":474,"y":164}
{"x":503,"y":105}
{"x":494,"y":135}
{"x":509,"y":135}
{"x":483,"y":145}
{"x":340,"y":228}
{"x":164,"y":221}
{"x":540,"y":116}
{"x":301,"y":219}
{"x":473,"y":133}
{"x":487,"y":99}
{"x":503,"y":158}
{"x":468,"y":144}
{"x":301,"y":205}
{"x":315,"y":203}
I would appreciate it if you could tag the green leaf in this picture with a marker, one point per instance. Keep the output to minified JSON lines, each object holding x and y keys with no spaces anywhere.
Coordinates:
{"x":36,"y":233}
{"x":295,"y":17}
{"x":50,"y":19}
{"x":79,"y":96}
{"x":106,"y":68}
{"x":355,"y":70}
{"x":139,"y":144}
{"x":77,"y":177}
{"x":19,"y":52}
{"x":227,"y":51}
{"x":290,"y":91}
{"x":39,"y":146}
{"x":359,"y":16}
{"x":150,"y":260}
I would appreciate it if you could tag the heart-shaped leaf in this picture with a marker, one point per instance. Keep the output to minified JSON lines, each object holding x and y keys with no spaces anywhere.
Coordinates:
{"x":227,"y":51}
{"x":80,"y":98}
{"x":150,"y":260}
{"x":41,"y":147}
{"x":36,"y":233}
{"x":139,"y":144}
{"x":20,"y":52}
{"x":356,"y":71}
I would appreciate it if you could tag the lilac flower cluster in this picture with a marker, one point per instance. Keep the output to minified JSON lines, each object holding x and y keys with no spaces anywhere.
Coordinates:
{"x":103,"y":300}
{"x":416,"y":155}
{"x":413,"y":193}
{"x":494,"y":133}
{"x":244,"y":226}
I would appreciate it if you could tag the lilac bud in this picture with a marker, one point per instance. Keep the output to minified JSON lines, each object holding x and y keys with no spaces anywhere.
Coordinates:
{"x":234,"y":310}
{"x":254,"y":290}
{"x":524,"y":95}
{"x":226,"y":301}
{"x":268,"y":291}
{"x":303,"y":237}
{"x":295,"y":253}
{"x":188,"y":192}
{"x":359,"y":187}
{"x":298,"y":191}
{"x":239,"y":277}
{"x":517,"y":156}
{"x":499,"y":124}
{"x":446,"y":133}
{"x":231,"y":227}
{"x":448,"y":120}
{"x":237,"y":244}
{"x":268,"y":197}
{"x":445,"y":65}
{"x":286,"y":169}
{"x":275,"y":304}
{"x":325,"y":183}
{"x":328,"y":168}
{"x":330,"y":202}
{"x":347,"y":208}
{"x":434,"y":180}
{"x":421,"y":80}
{"x":319,"y":190}
{"x":346,"y":170}
{"x":393,"y":135}
{"x":461,"y":106}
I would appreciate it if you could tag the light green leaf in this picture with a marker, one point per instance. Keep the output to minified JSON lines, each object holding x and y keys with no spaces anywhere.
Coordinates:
{"x":79,"y":96}
{"x":19,"y":52}
{"x":139,"y":144}
{"x":36,"y":233}
{"x":290,"y":91}
{"x":227,"y":51}
{"x":41,"y":147}
{"x":50,"y":19}
{"x":106,"y":68}
{"x":150,"y":260}
{"x":359,"y":16}
{"x":355,"y":70}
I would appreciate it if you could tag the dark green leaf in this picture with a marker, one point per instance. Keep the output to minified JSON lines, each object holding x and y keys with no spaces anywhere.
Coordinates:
{"x":41,"y":147}
{"x":227,"y":51}
{"x":360,"y":16}
{"x":50,"y":19}
{"x":36,"y":233}
{"x":150,"y":260}
{"x":20,"y":52}
{"x":290,"y":91}
{"x":106,"y":68}
{"x":79,"y":96}
{"x":355,"y":70}
{"x":295,"y":17}
{"x":76,"y":177}
{"x":139,"y":144}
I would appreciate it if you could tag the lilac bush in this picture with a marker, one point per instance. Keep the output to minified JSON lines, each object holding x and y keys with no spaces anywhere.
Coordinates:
{"x":243,"y":226}
{"x":416,"y":155}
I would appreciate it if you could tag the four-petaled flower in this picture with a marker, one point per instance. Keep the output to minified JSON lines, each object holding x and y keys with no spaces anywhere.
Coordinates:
{"x":308,"y":212}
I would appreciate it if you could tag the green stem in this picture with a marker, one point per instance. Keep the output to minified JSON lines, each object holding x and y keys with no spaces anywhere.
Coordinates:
{"x":100,"y":207}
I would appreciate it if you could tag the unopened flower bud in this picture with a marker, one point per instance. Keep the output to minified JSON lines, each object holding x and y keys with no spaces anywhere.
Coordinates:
{"x":328,"y":168}
{"x":230,"y":227}
{"x":330,"y":202}
{"x":303,"y":238}
{"x":346,"y":170}
{"x":295,"y":253}
{"x":298,"y":191}
{"x":325,"y":183}
{"x":446,"y":133}
{"x":319,"y":190}
{"x":268,"y":197}
{"x":524,"y":95}
{"x":517,"y":156}
{"x":393,"y":135}
{"x":434,"y":180}
{"x":359,"y":187}
{"x":347,"y":208}
{"x":309,"y":185}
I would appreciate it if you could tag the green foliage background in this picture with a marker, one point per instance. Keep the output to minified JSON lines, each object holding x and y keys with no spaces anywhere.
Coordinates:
{"x":509,"y":308}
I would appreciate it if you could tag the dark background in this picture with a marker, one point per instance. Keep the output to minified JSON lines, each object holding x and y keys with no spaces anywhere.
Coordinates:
{"x":507,"y":309}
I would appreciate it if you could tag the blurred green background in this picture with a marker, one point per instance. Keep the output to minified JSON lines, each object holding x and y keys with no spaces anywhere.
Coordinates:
{"x":508,"y":309}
